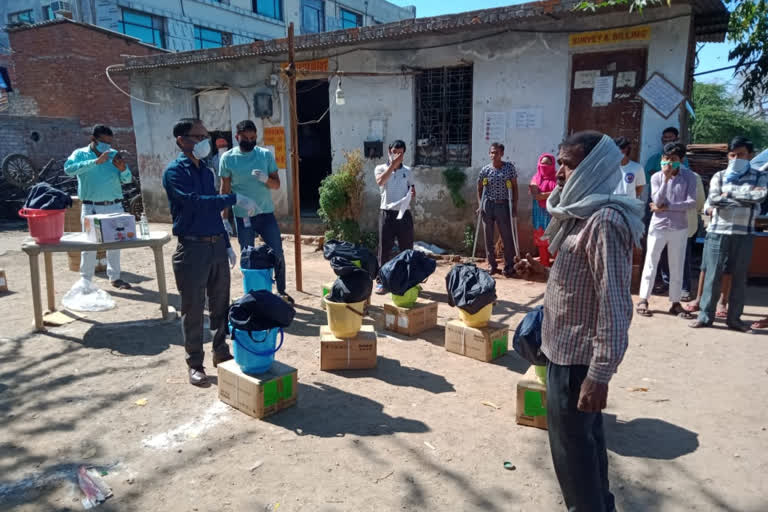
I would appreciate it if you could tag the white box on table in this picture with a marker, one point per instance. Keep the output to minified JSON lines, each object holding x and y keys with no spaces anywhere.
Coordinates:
{"x":110,"y":227}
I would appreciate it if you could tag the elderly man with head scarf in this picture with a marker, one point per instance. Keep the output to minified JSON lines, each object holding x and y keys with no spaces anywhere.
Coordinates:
{"x":587,"y":310}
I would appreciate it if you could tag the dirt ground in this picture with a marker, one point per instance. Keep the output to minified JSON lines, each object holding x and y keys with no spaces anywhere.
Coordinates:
{"x":413,"y":434}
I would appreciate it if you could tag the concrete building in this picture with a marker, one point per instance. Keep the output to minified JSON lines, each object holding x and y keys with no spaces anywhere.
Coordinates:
{"x":182,"y":25}
{"x":524,"y":75}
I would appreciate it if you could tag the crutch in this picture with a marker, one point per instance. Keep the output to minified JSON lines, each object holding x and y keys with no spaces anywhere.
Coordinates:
{"x":512,"y":219}
{"x":479,"y":216}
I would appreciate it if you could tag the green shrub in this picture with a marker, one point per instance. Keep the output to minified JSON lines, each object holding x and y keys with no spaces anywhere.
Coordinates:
{"x":341,"y":200}
{"x":454,"y":180}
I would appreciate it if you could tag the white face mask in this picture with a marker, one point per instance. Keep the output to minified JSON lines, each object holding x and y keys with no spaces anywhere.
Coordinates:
{"x":202,"y":149}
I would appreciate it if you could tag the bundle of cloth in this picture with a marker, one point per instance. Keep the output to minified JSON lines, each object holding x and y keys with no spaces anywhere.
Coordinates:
{"x":470,"y":288}
{"x":260,"y":310}
{"x":356,"y":268}
{"x":44,"y":196}
{"x":261,"y":257}
{"x":406,"y":270}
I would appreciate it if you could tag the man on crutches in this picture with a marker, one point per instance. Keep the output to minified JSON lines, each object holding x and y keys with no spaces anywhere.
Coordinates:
{"x":497,"y":195}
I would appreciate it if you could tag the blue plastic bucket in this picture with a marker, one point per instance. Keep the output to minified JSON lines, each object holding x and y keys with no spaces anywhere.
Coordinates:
{"x":255,"y":351}
{"x":257,"y":279}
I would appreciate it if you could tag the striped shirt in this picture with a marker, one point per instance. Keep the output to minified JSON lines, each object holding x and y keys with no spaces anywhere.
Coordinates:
{"x":587,"y":303}
{"x":736,"y":204}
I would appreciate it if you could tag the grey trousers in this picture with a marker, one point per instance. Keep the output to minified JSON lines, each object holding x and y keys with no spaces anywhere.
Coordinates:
{"x":725,"y":253}
{"x":498,"y":213}
{"x":202,"y":268}
{"x":577,"y":442}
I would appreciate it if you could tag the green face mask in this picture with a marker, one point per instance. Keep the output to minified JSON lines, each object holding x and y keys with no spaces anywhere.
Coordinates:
{"x":674,"y":165}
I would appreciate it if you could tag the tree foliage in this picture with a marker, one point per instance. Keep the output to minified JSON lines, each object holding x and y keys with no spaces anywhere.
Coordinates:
{"x":719,"y":118}
{"x":747,"y":28}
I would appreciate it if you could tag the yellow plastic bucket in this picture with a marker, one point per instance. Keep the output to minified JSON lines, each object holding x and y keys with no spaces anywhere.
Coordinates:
{"x":479,"y":319}
{"x":344,"y":319}
{"x":408,"y":299}
{"x":541,"y":373}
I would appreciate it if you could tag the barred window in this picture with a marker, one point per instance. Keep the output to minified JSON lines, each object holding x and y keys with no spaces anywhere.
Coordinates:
{"x":444,"y":116}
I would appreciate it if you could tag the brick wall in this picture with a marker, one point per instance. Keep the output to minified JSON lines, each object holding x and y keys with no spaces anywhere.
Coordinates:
{"x":56,"y":137}
{"x":59,"y":69}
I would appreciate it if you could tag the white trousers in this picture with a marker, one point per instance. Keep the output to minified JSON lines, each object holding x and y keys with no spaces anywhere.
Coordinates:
{"x":88,"y":259}
{"x":675,"y":242}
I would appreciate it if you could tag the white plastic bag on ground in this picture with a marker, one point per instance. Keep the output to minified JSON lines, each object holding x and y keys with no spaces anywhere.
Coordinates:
{"x":428,"y":248}
{"x":85,"y":296}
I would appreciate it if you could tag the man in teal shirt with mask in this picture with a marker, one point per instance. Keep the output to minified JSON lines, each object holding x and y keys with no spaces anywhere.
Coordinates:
{"x":251,"y":171}
{"x":100,"y":174}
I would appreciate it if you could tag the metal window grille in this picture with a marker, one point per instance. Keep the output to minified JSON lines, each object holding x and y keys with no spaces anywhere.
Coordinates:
{"x":444,"y":116}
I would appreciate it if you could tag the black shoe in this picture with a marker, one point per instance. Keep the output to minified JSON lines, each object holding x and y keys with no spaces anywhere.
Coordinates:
{"x":121,"y":285}
{"x":218,"y":359}
{"x":494,"y":271}
{"x":197,"y":377}
{"x":287,"y":298}
{"x":509,"y":274}
{"x":740,"y":327}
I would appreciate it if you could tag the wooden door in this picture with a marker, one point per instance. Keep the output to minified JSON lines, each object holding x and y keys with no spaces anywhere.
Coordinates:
{"x":622,"y":115}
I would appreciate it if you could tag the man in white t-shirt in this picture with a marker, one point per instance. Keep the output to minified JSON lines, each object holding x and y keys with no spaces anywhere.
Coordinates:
{"x":397,"y":191}
{"x":632,"y":173}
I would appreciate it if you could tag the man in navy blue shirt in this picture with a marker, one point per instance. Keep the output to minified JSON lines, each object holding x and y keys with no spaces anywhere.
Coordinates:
{"x":203,"y":252}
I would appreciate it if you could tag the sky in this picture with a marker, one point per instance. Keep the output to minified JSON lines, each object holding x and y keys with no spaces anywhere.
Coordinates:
{"x":712,"y":55}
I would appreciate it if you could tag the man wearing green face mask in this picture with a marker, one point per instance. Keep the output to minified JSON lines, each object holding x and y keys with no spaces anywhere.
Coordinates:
{"x":673,"y":193}
{"x":100,"y":174}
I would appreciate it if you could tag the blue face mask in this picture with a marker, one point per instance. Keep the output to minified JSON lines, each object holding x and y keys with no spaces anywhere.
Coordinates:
{"x":102,"y":147}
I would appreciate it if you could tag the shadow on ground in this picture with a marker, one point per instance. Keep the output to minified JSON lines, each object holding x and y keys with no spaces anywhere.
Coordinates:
{"x":327,"y":411}
{"x":648,"y":438}
{"x":393,"y":372}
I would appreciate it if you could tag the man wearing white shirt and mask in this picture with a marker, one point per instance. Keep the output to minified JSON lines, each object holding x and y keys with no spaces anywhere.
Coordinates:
{"x":395,"y":185}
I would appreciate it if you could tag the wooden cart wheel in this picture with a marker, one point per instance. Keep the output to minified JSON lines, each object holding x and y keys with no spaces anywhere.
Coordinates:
{"x":18,"y":170}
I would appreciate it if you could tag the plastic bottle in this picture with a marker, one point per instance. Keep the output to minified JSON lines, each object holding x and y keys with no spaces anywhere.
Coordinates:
{"x":144,"y":227}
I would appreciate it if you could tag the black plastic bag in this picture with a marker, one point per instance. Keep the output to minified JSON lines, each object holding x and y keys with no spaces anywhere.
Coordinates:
{"x":43,"y":196}
{"x":349,"y":252}
{"x":354,"y":286}
{"x":527,"y":340}
{"x":405,"y":271}
{"x":259,"y":310}
{"x":470,"y":288}
{"x":261,"y":257}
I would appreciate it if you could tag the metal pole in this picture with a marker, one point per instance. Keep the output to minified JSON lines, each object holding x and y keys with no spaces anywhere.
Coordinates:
{"x":479,"y":216}
{"x":512,"y":220}
{"x":294,"y":158}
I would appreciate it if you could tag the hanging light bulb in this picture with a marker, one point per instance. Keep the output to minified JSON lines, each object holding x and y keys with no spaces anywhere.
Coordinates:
{"x":340,"y":94}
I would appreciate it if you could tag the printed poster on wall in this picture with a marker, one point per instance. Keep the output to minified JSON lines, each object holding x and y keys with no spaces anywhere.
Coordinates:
{"x":495,"y":126}
{"x":525,"y":118}
{"x":275,"y":136}
{"x":585,"y":79}
{"x":661,"y":95}
{"x":602,"y":94}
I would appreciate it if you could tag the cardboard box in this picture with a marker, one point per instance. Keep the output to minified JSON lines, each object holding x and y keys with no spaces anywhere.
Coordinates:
{"x":258,"y":395}
{"x":531,"y":401}
{"x":110,"y":227}
{"x":3,"y":281}
{"x":411,"y":321}
{"x":348,"y":354}
{"x":484,"y":344}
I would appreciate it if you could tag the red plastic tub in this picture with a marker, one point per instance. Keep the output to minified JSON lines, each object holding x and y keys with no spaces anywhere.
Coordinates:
{"x":45,"y":226}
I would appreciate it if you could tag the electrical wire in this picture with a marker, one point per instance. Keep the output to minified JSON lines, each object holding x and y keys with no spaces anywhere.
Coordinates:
{"x":122,"y":91}
{"x":315,"y":121}
{"x":724,"y":69}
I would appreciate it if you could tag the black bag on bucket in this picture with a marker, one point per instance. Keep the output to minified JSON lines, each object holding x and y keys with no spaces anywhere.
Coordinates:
{"x":470,"y":288}
{"x":527,"y":340}
{"x":354,"y":286}
{"x":335,"y":250}
{"x":260,"y":310}
{"x":405,"y":271}
{"x":43,"y":196}
{"x":261,"y":257}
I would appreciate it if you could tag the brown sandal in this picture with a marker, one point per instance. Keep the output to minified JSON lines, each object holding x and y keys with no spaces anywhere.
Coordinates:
{"x":680,"y":311}
{"x":642,"y":309}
